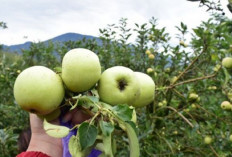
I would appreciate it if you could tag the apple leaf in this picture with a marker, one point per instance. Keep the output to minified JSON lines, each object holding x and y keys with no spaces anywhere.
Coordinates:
{"x":132,"y":124}
{"x":93,"y":98}
{"x":133,"y":140}
{"x":107,"y":128}
{"x":56,"y":131}
{"x":58,"y":69}
{"x":124,"y":112}
{"x":73,"y":145}
{"x":87,"y":135}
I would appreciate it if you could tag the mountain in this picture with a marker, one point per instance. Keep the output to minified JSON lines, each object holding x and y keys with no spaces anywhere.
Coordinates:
{"x":60,"y":38}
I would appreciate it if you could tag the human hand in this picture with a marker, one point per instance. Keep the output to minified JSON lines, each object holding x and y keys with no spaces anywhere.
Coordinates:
{"x":42,"y":142}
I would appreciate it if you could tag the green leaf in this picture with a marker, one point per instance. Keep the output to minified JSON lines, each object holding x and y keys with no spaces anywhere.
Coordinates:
{"x":93,"y":98}
{"x":133,"y":141}
{"x":87,"y":135}
{"x":107,"y":128}
{"x":73,"y":145}
{"x":58,"y":69}
{"x":56,"y":131}
{"x":124,"y":112}
{"x":132,"y":124}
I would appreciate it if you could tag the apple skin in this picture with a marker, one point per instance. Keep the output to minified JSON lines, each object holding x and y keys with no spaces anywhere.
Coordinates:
{"x":81,"y":69}
{"x":225,"y":105}
{"x":118,"y":85}
{"x":38,"y":90}
{"x":147,"y":90}
{"x":227,"y":62}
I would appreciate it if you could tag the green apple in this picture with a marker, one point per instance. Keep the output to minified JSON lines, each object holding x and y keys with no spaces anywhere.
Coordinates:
{"x":81,"y":69}
{"x":147,"y":90}
{"x":193,"y":96}
{"x":227,"y":62}
{"x":230,"y":137}
{"x":208,"y":140}
{"x":150,"y":70}
{"x":148,"y":52}
{"x":38,"y":90}
{"x":151,"y":56}
{"x":173,"y":79}
{"x":226,"y":105}
{"x":118,"y":85}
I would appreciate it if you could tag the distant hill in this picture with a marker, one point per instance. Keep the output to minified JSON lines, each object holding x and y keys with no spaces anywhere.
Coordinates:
{"x":60,"y":38}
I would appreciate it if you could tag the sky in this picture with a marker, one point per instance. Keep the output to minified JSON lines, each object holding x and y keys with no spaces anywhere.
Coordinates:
{"x":39,"y":20}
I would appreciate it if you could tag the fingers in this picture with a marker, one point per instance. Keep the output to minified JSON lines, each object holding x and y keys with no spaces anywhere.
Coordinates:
{"x":75,"y":116}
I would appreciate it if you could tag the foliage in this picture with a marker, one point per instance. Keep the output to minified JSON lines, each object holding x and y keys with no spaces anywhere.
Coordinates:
{"x":174,"y":125}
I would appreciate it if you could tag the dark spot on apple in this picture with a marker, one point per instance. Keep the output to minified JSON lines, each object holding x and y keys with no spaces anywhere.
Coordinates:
{"x":122,"y":84}
{"x":32,"y":111}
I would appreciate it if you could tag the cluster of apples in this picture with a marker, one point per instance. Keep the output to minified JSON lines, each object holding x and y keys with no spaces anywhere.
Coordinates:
{"x":40,"y":90}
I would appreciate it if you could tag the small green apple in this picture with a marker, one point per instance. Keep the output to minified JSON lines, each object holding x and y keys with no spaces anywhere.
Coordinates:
{"x":173,"y":79}
{"x":81,"y":69}
{"x":194,"y":106}
{"x":38,"y":90}
{"x":167,"y":70}
{"x":147,"y":90}
{"x":226,"y":105}
{"x":160,"y":104}
{"x":230,"y":137}
{"x":148,"y":52}
{"x":150,"y":70}
{"x":227,"y":62}
{"x":208,"y":140}
{"x":193,"y":96}
{"x":151,"y":56}
{"x":118,"y":85}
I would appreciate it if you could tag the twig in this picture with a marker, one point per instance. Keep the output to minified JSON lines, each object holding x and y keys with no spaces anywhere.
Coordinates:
{"x":213,"y":150}
{"x":181,"y":116}
{"x":192,"y":80}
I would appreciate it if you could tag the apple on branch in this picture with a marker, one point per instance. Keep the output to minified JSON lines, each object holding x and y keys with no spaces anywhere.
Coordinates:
{"x":147,"y":90}
{"x":81,"y":69}
{"x":118,"y":85}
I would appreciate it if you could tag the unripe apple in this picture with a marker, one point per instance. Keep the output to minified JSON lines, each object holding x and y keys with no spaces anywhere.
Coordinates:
{"x":118,"y":85}
{"x":193,"y":96}
{"x":167,"y":70}
{"x":148,"y":52}
{"x":227,"y":62}
{"x":217,"y":67}
{"x":229,"y":95}
{"x":173,"y":80}
{"x":164,"y":102}
{"x":38,"y":90}
{"x":81,"y":69}
{"x":212,"y":88}
{"x":151,"y":56}
{"x":182,"y":42}
{"x":175,"y":132}
{"x":194,"y":106}
{"x":150,"y":70}
{"x":147,"y":90}
{"x":230,"y":137}
{"x":226,"y":105}
{"x":160,"y":104}
{"x":208,"y":140}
